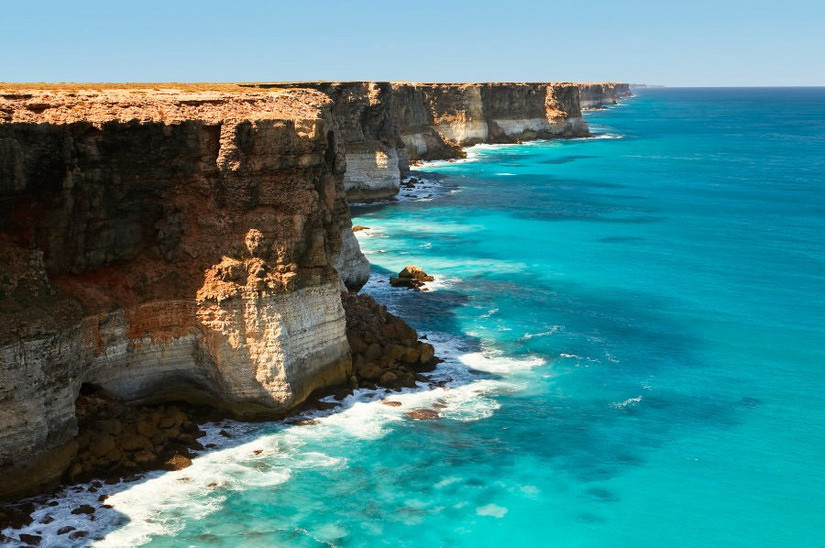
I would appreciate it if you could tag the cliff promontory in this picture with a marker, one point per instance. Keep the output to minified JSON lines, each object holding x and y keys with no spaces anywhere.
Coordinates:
{"x":162,"y":246}
{"x":192,"y":243}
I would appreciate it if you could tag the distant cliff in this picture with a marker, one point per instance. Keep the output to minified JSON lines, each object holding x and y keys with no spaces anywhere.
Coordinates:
{"x":599,"y":95}
{"x":387,"y":125}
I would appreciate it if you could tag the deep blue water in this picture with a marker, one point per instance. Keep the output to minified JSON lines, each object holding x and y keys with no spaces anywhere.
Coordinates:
{"x":635,"y":327}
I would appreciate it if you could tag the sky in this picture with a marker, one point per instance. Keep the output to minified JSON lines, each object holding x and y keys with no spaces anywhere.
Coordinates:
{"x":685,"y":43}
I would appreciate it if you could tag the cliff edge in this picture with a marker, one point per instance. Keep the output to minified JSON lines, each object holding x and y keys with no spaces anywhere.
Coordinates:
{"x":166,"y":245}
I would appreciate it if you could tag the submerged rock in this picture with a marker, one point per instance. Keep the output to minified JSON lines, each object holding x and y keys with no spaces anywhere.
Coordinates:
{"x":423,"y":414}
{"x":31,"y":539}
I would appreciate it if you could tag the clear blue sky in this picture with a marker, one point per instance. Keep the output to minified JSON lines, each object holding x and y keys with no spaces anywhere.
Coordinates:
{"x":687,"y":42}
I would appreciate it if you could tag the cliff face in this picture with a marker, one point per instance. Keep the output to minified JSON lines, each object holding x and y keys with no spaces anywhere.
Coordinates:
{"x":386,"y":125}
{"x":593,"y":96}
{"x":166,"y":246}
{"x":467,"y":114}
{"x":369,"y":135}
{"x":368,"y":132}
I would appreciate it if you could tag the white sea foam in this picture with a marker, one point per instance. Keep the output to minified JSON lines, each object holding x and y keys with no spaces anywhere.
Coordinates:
{"x":447,"y":481}
{"x":369,"y":232}
{"x":628,"y":402}
{"x":440,"y":282}
{"x":473,"y":153}
{"x":471,"y":402}
{"x":489,"y":313}
{"x":599,"y":136}
{"x":156,"y":506}
{"x":493,"y":362}
{"x":553,"y":329}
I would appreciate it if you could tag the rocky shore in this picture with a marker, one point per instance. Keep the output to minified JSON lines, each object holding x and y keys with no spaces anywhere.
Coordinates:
{"x":386,"y":351}
{"x":172,"y":248}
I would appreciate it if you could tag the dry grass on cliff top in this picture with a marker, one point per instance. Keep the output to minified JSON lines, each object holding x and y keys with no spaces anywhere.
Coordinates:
{"x":167,"y":102}
{"x":152,"y":86}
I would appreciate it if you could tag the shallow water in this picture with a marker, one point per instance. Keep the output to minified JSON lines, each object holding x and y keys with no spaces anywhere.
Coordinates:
{"x":635,"y":343}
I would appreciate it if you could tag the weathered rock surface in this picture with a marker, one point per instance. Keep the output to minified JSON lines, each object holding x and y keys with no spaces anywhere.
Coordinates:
{"x":385,"y":350}
{"x":458,"y":115}
{"x":165,"y":246}
{"x":411,"y":277}
{"x":387,"y":125}
{"x":368,"y":132}
{"x":598,"y":95}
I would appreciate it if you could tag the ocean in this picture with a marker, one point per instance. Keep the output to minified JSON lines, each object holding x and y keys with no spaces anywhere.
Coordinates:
{"x":633,"y":328}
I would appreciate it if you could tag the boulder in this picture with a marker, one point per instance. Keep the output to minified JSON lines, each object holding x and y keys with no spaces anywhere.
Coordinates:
{"x":84,"y":509}
{"x":423,"y":414}
{"x":411,"y":277}
{"x":385,"y":349}
{"x":177,"y":462}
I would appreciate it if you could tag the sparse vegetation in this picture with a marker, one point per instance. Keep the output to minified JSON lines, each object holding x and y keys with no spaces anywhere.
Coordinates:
{"x":74,"y":87}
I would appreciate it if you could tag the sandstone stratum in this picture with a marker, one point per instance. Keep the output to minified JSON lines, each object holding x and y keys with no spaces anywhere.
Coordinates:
{"x":166,"y":242}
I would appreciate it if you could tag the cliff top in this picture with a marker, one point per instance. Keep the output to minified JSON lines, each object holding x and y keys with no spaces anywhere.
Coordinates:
{"x":65,"y":103}
{"x":239,"y":87}
{"x":100,"y":103}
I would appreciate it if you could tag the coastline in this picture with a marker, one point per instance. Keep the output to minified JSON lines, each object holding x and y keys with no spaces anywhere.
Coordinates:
{"x":199,"y":440}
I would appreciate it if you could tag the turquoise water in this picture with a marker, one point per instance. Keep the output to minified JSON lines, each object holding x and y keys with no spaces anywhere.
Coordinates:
{"x":635,"y":343}
{"x":673,"y":280}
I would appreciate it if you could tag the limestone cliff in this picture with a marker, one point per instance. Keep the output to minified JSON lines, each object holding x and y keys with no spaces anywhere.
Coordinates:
{"x":368,"y":132}
{"x":165,"y":245}
{"x":386,"y":125}
{"x":467,"y":114}
{"x":599,"y":95}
